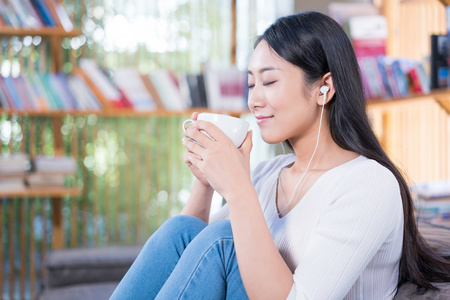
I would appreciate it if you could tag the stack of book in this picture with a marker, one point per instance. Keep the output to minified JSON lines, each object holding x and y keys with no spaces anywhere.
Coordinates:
{"x":91,"y":88}
{"x":46,"y":91}
{"x":432,"y":201}
{"x":386,"y":77}
{"x":34,"y":14}
{"x":13,"y":168}
{"x":217,"y":89}
{"x":51,"y":171}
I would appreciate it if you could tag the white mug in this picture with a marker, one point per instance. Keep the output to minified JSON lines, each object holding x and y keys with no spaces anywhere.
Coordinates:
{"x":236,"y":129}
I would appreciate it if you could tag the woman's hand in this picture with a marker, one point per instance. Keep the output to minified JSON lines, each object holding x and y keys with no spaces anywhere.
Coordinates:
{"x":222,"y":165}
{"x":197,"y":173}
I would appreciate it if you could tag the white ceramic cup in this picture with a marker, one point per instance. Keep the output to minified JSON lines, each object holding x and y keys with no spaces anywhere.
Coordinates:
{"x":236,"y":129}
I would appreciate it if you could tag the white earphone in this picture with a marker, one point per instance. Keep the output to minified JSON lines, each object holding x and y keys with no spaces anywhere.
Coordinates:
{"x":324,"y":90}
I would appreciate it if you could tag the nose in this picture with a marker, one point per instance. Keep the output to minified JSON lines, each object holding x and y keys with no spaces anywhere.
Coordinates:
{"x":255,"y":98}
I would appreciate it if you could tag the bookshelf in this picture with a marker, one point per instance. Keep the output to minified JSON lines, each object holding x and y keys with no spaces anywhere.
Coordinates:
{"x":44,"y":32}
{"x":415,"y":133}
{"x":54,"y":35}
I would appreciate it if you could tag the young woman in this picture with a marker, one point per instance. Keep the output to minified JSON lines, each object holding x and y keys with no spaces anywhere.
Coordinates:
{"x":333,"y":220}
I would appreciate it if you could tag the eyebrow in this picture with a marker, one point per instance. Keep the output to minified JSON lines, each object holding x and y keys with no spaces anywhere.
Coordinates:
{"x":264,"y":69}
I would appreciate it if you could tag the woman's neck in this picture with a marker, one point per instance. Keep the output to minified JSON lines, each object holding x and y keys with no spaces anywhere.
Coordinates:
{"x":327,"y":155}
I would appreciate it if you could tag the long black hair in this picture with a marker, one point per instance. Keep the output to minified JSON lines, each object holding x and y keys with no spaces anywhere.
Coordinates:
{"x":317,"y":45}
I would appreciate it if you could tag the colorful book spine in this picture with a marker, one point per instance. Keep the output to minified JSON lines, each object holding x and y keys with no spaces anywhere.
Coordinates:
{"x":45,"y":12}
{"x":17,"y":103}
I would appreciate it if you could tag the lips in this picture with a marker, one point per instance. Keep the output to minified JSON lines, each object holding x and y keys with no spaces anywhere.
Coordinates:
{"x":263,"y":119}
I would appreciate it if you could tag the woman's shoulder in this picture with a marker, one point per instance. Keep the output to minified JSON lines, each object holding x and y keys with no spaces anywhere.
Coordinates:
{"x":369,"y":169}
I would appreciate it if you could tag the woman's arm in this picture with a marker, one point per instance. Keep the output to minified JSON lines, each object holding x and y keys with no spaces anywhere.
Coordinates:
{"x":264,"y":273}
{"x":199,"y":202}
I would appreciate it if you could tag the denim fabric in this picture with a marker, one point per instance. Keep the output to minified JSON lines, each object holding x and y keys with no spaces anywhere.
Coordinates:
{"x":185,"y":259}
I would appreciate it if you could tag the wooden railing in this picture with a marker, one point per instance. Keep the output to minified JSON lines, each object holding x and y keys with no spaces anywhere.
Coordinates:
{"x":131,"y":178}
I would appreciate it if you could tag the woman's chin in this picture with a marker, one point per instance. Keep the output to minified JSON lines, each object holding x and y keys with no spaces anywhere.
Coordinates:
{"x":271,"y":140}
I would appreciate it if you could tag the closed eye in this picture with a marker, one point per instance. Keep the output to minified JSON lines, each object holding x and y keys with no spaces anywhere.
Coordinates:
{"x":267,"y":83}
{"x":251,"y":85}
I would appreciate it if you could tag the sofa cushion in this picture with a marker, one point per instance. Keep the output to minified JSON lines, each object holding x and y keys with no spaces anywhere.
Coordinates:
{"x":89,"y":265}
{"x":406,"y":292}
{"x":438,"y":237}
{"x":93,"y":291}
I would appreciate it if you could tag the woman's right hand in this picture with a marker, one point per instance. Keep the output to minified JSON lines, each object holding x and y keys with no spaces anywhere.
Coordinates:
{"x":196,"y":171}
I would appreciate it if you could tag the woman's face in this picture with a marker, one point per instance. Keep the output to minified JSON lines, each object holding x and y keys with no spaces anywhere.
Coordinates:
{"x":279,"y":99}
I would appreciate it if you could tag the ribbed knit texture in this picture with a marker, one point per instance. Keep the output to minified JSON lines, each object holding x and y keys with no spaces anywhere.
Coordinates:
{"x":343,"y":240}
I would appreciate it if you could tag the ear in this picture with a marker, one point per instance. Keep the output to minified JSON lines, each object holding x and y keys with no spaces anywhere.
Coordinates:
{"x":327,"y":80}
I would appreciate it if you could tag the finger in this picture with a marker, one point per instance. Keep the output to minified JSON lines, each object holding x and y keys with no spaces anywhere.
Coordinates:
{"x":193,"y":147}
{"x":212,"y":130}
{"x":247,"y":145}
{"x":193,"y":159}
{"x":195,"y":134}
{"x":194,"y":115}
{"x":186,"y":156}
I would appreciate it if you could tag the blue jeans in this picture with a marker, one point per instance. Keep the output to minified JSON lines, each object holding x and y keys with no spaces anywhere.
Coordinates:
{"x":185,"y":259}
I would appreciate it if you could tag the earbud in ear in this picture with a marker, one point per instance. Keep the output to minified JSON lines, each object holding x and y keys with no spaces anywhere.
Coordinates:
{"x":324,"y":89}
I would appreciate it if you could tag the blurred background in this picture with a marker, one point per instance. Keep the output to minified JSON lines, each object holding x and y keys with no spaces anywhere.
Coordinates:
{"x":93,"y":94}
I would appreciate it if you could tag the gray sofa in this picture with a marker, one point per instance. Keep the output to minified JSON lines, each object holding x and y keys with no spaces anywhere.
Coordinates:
{"x":86,"y":273}
{"x":93,"y":273}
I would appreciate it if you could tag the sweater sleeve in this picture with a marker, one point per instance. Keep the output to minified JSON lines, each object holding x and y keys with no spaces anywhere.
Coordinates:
{"x":352,"y":227}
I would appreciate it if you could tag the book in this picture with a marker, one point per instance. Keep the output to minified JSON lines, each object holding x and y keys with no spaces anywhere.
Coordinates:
{"x":57,"y":164}
{"x":168,"y":90}
{"x":86,"y":99}
{"x":102,"y":84}
{"x":431,"y":189}
{"x":8,"y":15}
{"x":66,"y":101}
{"x":32,"y":11}
{"x":39,"y":179}
{"x":30,"y":93}
{"x":55,"y":103}
{"x":225,"y":88}
{"x":44,"y":11}
{"x":343,"y":11}
{"x":146,"y":79}
{"x":5,"y":98}
{"x":131,"y":84}
{"x":15,"y":98}
{"x":16,"y":163}
{"x":12,"y":185}
{"x":39,"y":91}
{"x":368,"y":35}
{"x":26,"y":17}
{"x":197,"y":92}
{"x":60,"y":15}
{"x":24,"y":98}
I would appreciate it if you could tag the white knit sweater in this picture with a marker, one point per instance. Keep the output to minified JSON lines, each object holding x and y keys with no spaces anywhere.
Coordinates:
{"x":343,"y":240}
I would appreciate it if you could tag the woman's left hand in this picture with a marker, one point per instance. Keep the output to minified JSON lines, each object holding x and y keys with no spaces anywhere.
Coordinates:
{"x":226,"y":167}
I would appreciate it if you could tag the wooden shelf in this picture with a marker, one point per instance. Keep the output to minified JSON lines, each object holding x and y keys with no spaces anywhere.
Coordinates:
{"x":44,"y":31}
{"x":55,"y":192}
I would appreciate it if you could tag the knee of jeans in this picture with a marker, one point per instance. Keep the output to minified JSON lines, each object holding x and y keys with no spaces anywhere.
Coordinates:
{"x":182,"y":224}
{"x":219,"y":229}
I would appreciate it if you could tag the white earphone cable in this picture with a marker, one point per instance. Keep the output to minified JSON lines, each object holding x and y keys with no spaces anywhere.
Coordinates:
{"x":312,"y":156}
